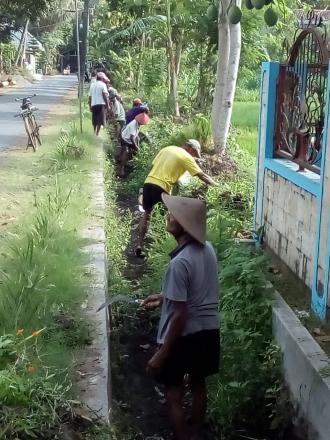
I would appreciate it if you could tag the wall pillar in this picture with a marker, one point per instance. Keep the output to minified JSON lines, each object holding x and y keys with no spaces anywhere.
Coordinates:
{"x":267,"y":113}
{"x":320,"y":288}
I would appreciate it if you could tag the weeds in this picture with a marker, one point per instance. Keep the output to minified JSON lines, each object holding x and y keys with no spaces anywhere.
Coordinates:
{"x":118,"y":236}
{"x":199,"y":128}
{"x":42,"y":287}
{"x":30,"y":287}
{"x":68,"y":148}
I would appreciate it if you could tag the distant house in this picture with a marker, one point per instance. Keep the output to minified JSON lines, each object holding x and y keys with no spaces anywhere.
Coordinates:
{"x":32,"y":49}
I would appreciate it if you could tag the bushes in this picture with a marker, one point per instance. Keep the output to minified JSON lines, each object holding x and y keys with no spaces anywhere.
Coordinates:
{"x":249,"y":361}
{"x":68,"y":148}
{"x":199,"y":128}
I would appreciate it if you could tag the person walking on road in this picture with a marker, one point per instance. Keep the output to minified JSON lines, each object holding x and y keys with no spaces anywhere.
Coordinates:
{"x":99,"y":101}
{"x":167,"y":168}
{"x":130,"y":140}
{"x":188,"y":333}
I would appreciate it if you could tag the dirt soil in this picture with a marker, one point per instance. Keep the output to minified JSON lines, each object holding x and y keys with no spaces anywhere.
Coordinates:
{"x":216,"y":165}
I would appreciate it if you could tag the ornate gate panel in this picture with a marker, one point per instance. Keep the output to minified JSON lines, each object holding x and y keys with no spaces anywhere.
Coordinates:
{"x":301,"y":100}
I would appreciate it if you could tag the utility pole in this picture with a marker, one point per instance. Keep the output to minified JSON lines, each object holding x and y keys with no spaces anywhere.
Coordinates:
{"x":84,"y":45}
{"x":22,"y":42}
{"x":79,"y":66}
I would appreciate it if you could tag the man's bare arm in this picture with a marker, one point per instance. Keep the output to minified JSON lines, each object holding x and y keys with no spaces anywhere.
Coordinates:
{"x":206,"y":178}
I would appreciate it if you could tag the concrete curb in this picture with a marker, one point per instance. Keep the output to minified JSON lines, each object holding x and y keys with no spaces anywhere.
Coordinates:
{"x":303,"y":362}
{"x":93,"y":386}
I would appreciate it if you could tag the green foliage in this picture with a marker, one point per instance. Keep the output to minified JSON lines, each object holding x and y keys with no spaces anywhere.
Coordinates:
{"x":245,"y":115}
{"x":40,"y":266}
{"x":249,"y":360}
{"x":145,"y":24}
{"x":246,"y":95}
{"x":118,"y":236}
{"x":52,"y":41}
{"x":68,"y":149}
{"x":7,"y":57}
{"x":25,"y":8}
{"x":199,"y":128}
{"x":32,"y":406}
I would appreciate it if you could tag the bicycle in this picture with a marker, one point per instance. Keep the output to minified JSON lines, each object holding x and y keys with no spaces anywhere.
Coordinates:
{"x":30,"y":123}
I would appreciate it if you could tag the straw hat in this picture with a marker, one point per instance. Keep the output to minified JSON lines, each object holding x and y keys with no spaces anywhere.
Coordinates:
{"x":190,"y":213}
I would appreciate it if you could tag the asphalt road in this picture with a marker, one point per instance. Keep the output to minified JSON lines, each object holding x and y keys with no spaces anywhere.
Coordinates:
{"x":50,"y":92}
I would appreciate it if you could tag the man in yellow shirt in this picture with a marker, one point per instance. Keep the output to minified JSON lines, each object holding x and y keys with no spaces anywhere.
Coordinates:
{"x":167,"y":168}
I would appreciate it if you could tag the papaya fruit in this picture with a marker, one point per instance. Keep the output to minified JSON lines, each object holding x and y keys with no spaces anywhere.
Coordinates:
{"x":248,"y":4}
{"x":234,"y":15}
{"x":258,"y":4}
{"x":270,"y":17}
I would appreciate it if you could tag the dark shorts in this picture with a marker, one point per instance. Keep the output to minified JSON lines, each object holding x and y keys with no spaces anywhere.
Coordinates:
{"x":126,"y":145}
{"x":98,"y":115}
{"x":152,"y":194}
{"x":197,"y":354}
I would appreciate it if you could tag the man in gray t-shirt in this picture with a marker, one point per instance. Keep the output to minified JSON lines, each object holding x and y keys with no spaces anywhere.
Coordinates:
{"x":188,"y":334}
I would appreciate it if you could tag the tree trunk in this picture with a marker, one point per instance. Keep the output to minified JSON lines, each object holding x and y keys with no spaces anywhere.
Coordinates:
{"x":173,"y":79}
{"x":227,"y":69}
{"x":178,"y":51}
{"x":141,"y":62}
{"x":229,"y":92}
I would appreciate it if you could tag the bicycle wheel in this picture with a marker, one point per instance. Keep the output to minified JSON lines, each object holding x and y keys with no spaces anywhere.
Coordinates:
{"x":35,"y":128}
{"x":29,"y":132}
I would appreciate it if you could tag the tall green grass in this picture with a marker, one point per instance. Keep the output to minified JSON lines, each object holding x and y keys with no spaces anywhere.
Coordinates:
{"x":245,"y":126}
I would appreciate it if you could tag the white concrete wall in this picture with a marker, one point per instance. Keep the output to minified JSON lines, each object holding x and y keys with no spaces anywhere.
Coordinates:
{"x":305,"y":368}
{"x":290,"y":221}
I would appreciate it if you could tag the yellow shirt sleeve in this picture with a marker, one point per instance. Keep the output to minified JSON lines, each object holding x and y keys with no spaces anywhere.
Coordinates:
{"x":191,"y":166}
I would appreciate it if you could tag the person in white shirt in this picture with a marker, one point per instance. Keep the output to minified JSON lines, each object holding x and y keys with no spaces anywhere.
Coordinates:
{"x":117,"y":112}
{"x":130,"y":140}
{"x":99,"y":101}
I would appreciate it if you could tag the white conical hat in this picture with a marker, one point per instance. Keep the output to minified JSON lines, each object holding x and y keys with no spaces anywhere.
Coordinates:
{"x":190,"y":213}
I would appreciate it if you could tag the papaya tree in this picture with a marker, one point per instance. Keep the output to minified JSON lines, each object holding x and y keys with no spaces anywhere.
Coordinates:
{"x":229,"y":50}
